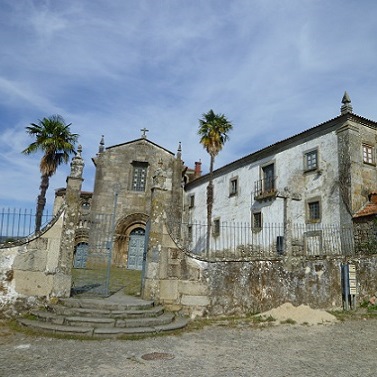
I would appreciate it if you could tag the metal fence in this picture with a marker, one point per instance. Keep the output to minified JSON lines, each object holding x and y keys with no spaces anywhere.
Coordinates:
{"x":19,"y":223}
{"x":241,"y":240}
{"x":93,"y":258}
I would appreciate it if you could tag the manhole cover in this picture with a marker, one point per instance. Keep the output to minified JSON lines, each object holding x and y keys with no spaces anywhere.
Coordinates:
{"x":157,"y":356}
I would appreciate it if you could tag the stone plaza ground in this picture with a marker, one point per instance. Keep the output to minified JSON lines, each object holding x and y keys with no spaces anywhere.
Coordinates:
{"x":238,"y":348}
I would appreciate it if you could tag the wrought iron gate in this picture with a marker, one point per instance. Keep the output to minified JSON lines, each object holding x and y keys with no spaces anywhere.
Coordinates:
{"x":94,"y":277}
{"x":81,"y":255}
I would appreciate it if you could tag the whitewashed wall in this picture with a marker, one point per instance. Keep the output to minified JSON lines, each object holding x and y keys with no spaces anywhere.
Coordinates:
{"x":289,"y":173}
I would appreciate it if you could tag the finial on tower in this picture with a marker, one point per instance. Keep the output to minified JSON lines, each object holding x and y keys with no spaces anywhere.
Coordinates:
{"x":101,"y":144}
{"x":346,"y":101}
{"x":79,"y":150}
{"x":179,"y":151}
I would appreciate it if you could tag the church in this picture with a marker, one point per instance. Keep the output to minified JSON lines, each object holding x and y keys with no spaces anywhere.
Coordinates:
{"x":121,"y":199}
{"x":320,"y":177}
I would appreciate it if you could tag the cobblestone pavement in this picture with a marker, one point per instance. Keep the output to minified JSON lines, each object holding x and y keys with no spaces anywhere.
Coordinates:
{"x":342,"y":349}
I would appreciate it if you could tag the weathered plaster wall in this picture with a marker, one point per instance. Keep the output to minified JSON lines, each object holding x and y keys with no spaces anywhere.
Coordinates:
{"x":289,"y":173}
{"x":7,"y":282}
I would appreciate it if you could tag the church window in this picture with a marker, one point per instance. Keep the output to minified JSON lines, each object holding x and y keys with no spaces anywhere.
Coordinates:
{"x":368,"y":155}
{"x":139,"y":176}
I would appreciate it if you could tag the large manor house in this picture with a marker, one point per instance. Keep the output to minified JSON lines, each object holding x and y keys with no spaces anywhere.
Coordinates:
{"x":323,"y":176}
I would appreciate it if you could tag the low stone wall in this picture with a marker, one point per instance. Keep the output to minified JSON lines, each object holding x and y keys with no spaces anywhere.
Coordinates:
{"x":200,"y":288}
{"x":256,"y":286}
{"x":27,"y":269}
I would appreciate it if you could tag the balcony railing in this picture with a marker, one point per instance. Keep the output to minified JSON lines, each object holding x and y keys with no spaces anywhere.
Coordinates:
{"x":265,"y":188}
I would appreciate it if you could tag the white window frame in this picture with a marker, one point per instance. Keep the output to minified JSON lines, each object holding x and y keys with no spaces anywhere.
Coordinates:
{"x":368,"y":154}
{"x":309,"y":165}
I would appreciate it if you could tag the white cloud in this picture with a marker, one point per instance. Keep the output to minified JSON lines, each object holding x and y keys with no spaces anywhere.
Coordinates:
{"x":273,"y":67}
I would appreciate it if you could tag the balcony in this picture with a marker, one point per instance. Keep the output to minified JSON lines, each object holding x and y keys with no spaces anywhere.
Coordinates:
{"x":265,"y":189}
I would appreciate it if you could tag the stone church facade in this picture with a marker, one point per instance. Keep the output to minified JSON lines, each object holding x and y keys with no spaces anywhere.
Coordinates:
{"x":125,"y":174}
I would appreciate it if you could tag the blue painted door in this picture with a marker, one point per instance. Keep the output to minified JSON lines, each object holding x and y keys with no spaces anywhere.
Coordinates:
{"x":136,"y":249}
{"x":81,"y":254}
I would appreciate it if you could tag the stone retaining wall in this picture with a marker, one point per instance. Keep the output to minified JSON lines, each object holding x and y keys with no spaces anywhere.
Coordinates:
{"x":28,"y":268}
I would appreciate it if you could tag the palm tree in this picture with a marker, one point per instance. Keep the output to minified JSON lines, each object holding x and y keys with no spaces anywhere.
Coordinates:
{"x":213,"y":132}
{"x":54,"y":139}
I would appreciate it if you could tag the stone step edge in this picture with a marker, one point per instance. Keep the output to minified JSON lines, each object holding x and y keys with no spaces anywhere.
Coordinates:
{"x":118,"y":314}
{"x":179,"y":323}
{"x":65,"y":320}
{"x":89,"y":303}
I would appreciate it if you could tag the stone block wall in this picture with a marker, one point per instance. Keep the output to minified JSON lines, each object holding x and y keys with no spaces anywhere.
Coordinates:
{"x":239,"y":288}
{"x":28,"y":269}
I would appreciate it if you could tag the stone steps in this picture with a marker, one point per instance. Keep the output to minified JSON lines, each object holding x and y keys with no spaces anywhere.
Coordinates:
{"x":154,"y":311}
{"x":107,"y":318}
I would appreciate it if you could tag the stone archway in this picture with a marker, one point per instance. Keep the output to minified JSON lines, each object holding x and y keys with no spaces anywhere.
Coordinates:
{"x":127,"y":227}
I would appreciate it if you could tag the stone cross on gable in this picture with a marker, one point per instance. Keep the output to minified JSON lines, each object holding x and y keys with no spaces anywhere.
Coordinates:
{"x":144,"y":135}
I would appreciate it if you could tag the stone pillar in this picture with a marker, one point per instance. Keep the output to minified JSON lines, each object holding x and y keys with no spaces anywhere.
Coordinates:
{"x":350,"y":174}
{"x":156,"y":258}
{"x":63,"y":276}
{"x":288,"y":197}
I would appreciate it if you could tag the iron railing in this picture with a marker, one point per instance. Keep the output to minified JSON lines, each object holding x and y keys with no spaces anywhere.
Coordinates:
{"x":264,"y":188}
{"x":241,"y":240}
{"x":19,"y":223}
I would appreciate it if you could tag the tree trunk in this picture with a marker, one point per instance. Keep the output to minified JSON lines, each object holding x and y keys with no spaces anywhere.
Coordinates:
{"x":209,"y":204}
{"x":41,"y":202}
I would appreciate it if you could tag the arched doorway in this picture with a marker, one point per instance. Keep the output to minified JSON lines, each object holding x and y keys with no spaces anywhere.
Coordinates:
{"x":130,"y":241}
{"x":136,"y":249}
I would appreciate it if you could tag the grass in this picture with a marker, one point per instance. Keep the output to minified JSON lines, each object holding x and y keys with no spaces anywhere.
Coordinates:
{"x":120,"y":278}
{"x":358,"y":314}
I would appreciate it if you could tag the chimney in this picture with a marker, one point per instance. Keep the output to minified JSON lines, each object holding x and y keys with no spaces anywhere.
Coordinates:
{"x":373,"y":197}
{"x":198,"y":169}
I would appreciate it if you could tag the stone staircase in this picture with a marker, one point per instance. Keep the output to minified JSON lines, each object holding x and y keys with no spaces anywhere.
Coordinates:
{"x":111,"y":317}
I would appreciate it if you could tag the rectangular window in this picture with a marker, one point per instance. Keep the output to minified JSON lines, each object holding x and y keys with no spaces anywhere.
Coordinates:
{"x":314,"y":211}
{"x":191,"y":201}
{"x":139,"y":176}
{"x":368,"y":154}
{"x":189,"y":232}
{"x":233,"y":188}
{"x":216,"y":227}
{"x":311,"y":160}
{"x":268,"y":178}
{"x":257,"y":220}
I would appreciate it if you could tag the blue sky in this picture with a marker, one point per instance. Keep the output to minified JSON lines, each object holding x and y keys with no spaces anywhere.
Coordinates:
{"x":112,"y":67}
